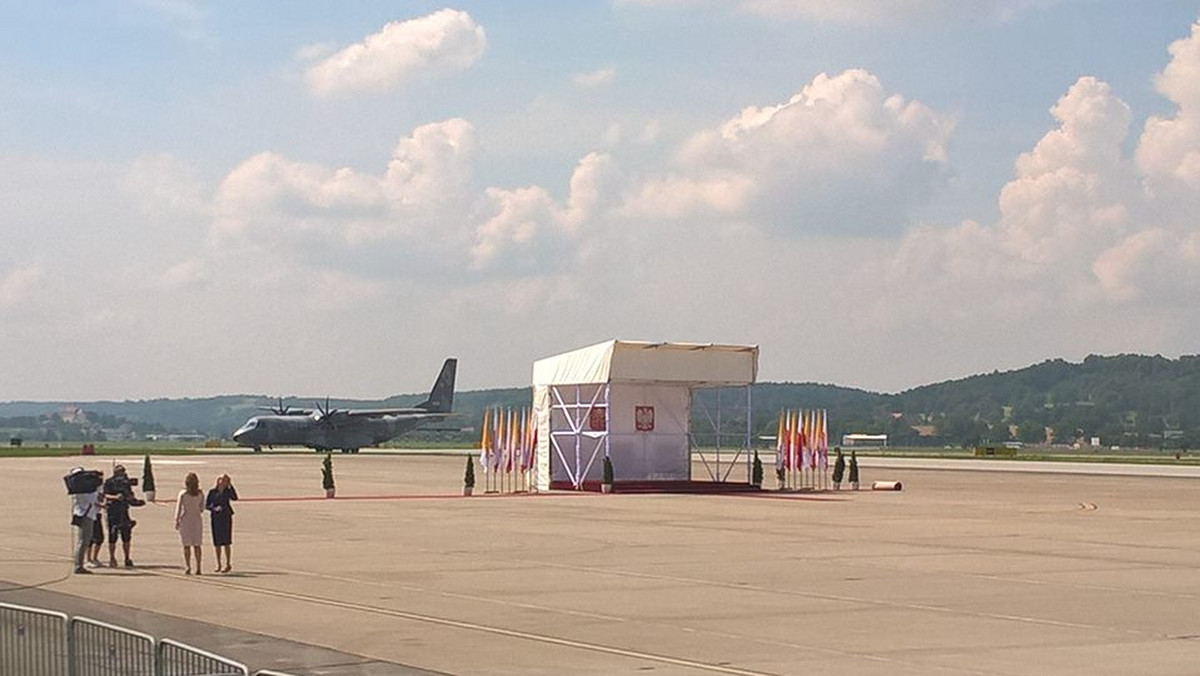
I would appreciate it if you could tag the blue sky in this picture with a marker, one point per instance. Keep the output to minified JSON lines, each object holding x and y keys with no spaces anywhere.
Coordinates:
{"x":196,"y":197}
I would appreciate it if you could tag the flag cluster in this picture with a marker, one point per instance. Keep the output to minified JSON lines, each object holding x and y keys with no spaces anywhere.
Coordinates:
{"x":802,"y":447}
{"x":508,"y":443}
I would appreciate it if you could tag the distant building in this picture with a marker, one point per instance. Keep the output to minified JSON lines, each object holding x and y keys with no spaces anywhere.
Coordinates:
{"x":122,"y":433}
{"x":865,"y":440}
{"x":192,"y":436}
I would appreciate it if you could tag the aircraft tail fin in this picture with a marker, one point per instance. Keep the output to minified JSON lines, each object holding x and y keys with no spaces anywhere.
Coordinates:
{"x":441,"y":397}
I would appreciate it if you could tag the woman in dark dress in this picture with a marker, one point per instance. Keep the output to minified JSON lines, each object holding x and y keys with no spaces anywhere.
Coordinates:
{"x":218,"y":506}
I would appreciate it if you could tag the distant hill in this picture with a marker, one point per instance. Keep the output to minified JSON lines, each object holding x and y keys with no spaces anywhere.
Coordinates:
{"x":1124,"y":399}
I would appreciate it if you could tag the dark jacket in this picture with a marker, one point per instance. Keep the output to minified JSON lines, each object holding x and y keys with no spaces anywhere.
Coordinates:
{"x":217,"y":502}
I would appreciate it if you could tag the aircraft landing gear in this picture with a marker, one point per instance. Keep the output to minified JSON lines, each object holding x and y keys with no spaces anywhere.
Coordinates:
{"x":349,"y":450}
{"x":258,"y":449}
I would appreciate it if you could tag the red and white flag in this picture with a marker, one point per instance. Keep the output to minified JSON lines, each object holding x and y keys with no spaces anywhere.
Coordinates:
{"x":791,"y":449}
{"x":497,"y":439}
{"x":823,"y":439}
{"x":780,"y":441}
{"x":509,"y":432}
{"x":806,"y":437}
{"x":531,"y":443}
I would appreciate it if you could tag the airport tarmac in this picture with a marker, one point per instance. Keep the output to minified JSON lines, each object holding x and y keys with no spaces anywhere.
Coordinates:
{"x":963,"y":572}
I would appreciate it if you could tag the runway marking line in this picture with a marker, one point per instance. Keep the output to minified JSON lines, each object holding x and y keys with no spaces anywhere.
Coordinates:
{"x":458,"y":624}
{"x":431,"y":496}
{"x":473,"y":626}
{"x":461,"y":624}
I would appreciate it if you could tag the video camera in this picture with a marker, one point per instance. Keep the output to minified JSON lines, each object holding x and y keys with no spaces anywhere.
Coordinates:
{"x":122,"y":485}
{"x":83,"y":481}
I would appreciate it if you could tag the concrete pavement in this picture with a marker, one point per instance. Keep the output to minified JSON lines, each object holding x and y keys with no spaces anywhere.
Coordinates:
{"x":962,"y":572}
{"x":1033,"y":466}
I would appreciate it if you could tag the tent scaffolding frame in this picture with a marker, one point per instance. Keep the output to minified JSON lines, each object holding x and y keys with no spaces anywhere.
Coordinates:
{"x":573,"y":444}
{"x":720,"y":426}
{"x":577,"y":414}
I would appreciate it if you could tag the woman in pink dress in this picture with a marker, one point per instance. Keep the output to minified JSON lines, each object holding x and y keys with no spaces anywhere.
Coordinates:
{"x":189,"y":512}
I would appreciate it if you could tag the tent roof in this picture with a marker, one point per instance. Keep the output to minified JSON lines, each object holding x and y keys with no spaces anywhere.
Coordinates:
{"x":692,"y":364}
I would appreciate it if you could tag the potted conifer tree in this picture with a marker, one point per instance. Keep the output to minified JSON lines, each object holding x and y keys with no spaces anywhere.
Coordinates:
{"x":756,"y":471}
{"x":327,"y":475}
{"x":148,"y":480}
{"x":606,"y":485}
{"x":469,"y":476}
{"x":853,"y":471}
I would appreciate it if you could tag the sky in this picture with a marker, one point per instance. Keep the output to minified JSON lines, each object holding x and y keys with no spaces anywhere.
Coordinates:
{"x":318,"y":198}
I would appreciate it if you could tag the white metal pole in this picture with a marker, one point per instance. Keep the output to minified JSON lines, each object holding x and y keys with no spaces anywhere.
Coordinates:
{"x":718,"y":431}
{"x":748,"y":440}
{"x":578,"y":439}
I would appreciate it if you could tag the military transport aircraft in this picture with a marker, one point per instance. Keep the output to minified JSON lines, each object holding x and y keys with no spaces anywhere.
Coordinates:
{"x":326,"y":429}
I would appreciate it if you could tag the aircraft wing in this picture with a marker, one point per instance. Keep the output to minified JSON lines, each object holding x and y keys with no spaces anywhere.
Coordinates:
{"x":408,"y":413}
{"x":289,"y":411}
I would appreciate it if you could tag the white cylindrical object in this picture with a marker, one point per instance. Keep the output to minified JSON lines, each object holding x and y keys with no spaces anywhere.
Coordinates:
{"x":886,"y":486}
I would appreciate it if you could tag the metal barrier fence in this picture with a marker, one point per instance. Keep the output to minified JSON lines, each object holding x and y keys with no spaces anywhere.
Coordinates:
{"x":37,"y":642}
{"x":102,"y":649}
{"x":33,"y":642}
{"x":179,"y":659}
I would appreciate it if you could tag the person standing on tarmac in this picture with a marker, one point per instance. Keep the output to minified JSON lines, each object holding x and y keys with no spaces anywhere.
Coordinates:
{"x":118,"y":498}
{"x":221,"y":514}
{"x":85,"y":509}
{"x":93,"y":551}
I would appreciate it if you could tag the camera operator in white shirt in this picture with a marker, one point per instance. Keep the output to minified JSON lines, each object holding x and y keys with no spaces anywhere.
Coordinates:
{"x":85,"y":509}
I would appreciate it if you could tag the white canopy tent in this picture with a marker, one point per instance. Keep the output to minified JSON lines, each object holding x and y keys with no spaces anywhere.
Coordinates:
{"x":631,"y":401}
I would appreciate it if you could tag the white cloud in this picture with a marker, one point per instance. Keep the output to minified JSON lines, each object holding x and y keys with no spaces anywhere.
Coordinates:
{"x":595,"y":78}
{"x":422,"y":215}
{"x":840,"y":155}
{"x":1154,"y":266}
{"x":1085,"y":230}
{"x":432,"y":166}
{"x":1169,"y":152}
{"x":274,"y":202}
{"x":445,"y":41}
{"x":526,"y":231}
{"x":677,"y":196}
{"x":1070,"y":199}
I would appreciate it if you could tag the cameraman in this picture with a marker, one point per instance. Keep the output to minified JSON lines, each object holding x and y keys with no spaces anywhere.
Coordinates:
{"x":85,"y":510}
{"x":118,"y":498}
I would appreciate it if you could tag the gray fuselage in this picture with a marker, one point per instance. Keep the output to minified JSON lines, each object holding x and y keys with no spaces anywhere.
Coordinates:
{"x":311,"y":431}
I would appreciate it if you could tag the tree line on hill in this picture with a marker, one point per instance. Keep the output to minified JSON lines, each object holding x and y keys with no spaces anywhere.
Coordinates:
{"x":1125,"y":400}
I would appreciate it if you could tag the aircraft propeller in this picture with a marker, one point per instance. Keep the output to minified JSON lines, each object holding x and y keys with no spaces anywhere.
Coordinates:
{"x":323,"y":412}
{"x":281,"y":409}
